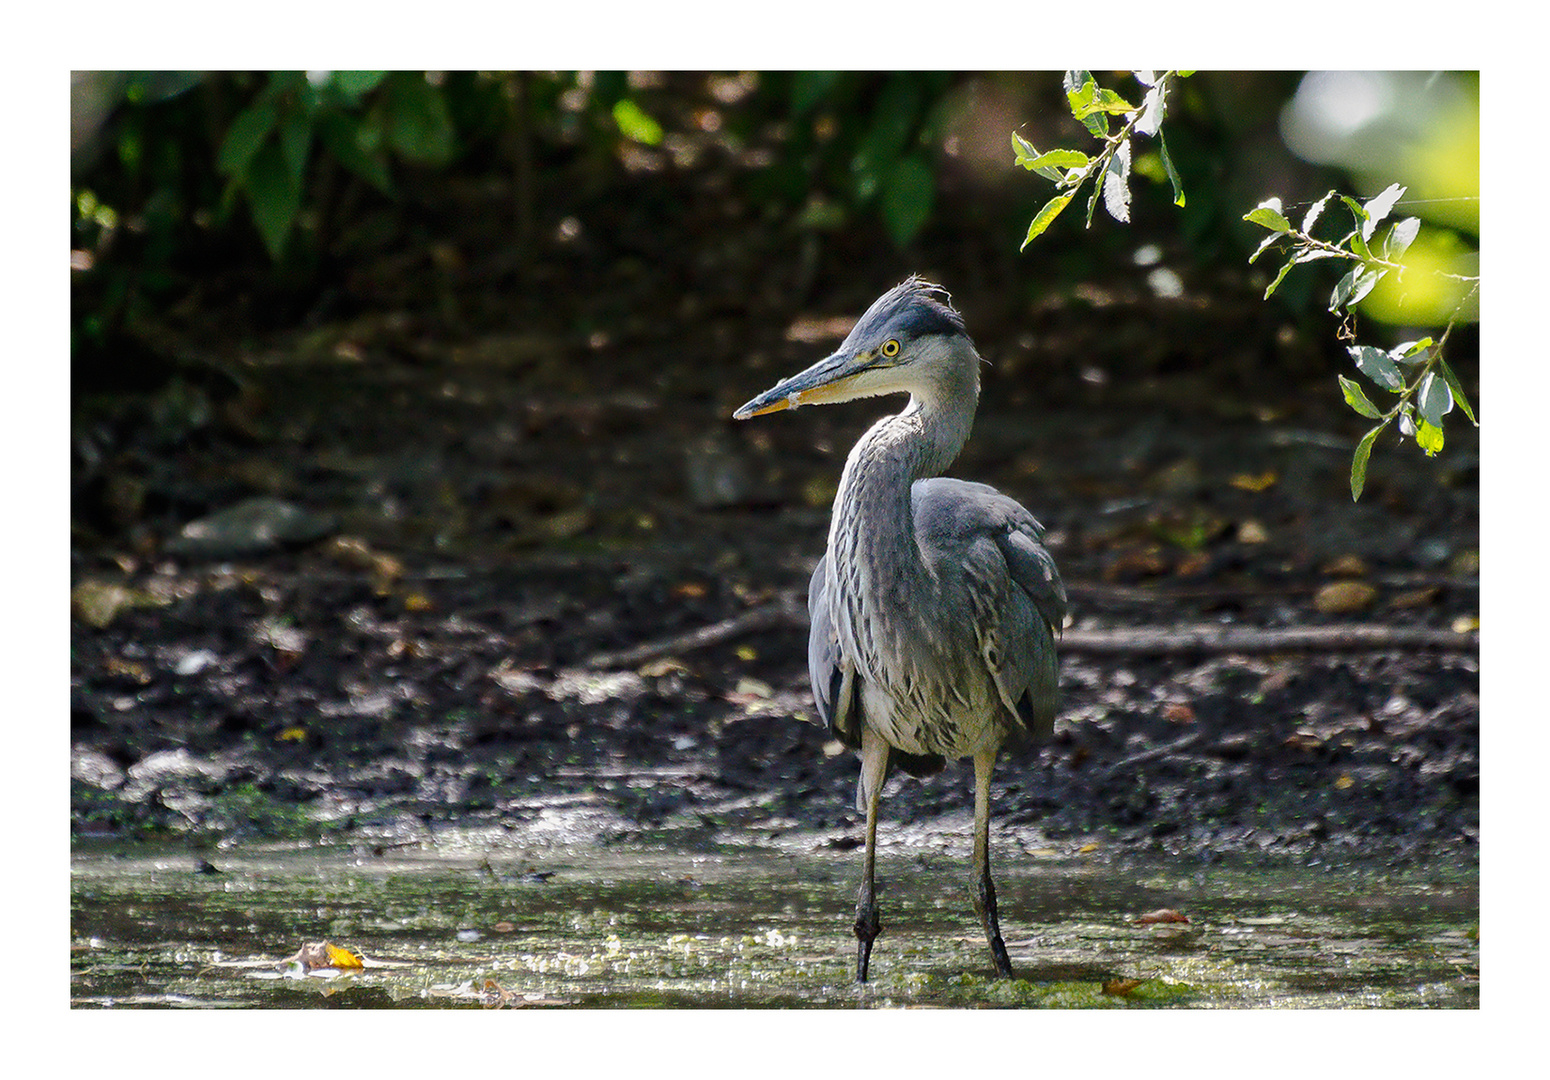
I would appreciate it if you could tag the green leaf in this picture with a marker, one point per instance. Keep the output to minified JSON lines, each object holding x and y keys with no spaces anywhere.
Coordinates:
{"x":1376,"y":365}
{"x":1359,"y":461}
{"x":1359,"y":246}
{"x":1314,"y":254}
{"x":274,"y":198}
{"x":356,"y":84}
{"x":907,"y":197}
{"x":1377,"y":208}
{"x":1314,"y":211}
{"x":1434,"y":399}
{"x":1364,"y":226}
{"x":1276,"y":284}
{"x":1074,"y":81}
{"x":808,"y":88}
{"x":1153,"y":109}
{"x":296,"y":143}
{"x":1026,"y":154}
{"x":1082,"y":94}
{"x":1055,"y":160}
{"x":1355,"y":398}
{"x":1354,"y":286}
{"x":1173,"y":174}
{"x":246,"y":137}
{"x":1400,"y":237}
{"x":1268,"y":215}
{"x":893,"y":121}
{"x":1272,"y":239}
{"x":1358,"y":211}
{"x":418,"y":125}
{"x":635,"y":125}
{"x":1104,"y":101}
{"x":345,"y":137}
{"x":1428,"y":437}
{"x":1411,"y":352}
{"x":1046,"y":216}
{"x":1081,"y":88}
{"x":1116,"y":183}
{"x":1092,"y":201}
{"x":1458,"y":390}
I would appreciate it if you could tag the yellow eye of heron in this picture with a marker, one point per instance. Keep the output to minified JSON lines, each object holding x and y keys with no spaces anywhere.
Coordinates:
{"x":890,"y":348}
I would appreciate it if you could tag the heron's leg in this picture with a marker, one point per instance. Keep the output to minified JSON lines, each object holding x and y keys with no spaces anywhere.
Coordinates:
{"x":874,"y":768}
{"x":984,"y":888}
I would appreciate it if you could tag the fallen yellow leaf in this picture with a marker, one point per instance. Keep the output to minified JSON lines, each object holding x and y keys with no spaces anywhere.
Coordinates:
{"x":324,"y":954}
{"x":753,"y":688}
{"x":1346,"y":566}
{"x":1247,"y":482}
{"x":342,"y":958}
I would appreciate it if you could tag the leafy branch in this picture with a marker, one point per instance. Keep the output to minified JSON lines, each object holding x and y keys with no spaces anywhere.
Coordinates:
{"x":1424,"y":387}
{"x":1070,"y":169}
{"x":1415,"y":372}
{"x":358,"y":117}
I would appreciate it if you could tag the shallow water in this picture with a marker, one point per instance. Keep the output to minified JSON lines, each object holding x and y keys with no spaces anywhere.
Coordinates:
{"x":471,"y":920}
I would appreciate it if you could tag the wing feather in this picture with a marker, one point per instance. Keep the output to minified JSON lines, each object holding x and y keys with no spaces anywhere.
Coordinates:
{"x":1013,"y":590}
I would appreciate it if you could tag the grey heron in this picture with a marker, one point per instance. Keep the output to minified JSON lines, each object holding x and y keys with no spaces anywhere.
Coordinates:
{"x":936,"y":606}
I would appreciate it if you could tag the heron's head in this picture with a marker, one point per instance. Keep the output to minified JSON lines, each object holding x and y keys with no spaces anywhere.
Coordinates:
{"x":909,"y":341}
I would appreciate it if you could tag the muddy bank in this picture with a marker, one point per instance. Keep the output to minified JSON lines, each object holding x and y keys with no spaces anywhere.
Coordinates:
{"x":424,"y":658}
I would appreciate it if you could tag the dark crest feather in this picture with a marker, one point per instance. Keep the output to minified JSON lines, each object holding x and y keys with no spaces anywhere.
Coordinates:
{"x":915,"y":307}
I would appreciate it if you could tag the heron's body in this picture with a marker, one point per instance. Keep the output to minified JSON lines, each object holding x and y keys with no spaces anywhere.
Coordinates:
{"x":935,"y":607}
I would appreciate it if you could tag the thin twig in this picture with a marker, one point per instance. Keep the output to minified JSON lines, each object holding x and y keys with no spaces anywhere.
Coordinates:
{"x":787,"y":611}
{"x":1156,"y":753}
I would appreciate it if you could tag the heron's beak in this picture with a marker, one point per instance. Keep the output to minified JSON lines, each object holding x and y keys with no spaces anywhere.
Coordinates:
{"x":828,"y":380}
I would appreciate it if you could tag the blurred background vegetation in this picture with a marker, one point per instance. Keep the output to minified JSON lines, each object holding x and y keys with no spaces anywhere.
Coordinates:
{"x":294,"y":176}
{"x":210,"y":209}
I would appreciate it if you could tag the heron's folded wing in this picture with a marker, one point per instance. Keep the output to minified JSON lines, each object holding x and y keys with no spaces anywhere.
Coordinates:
{"x":1032,"y":677}
{"x":824,"y":666}
{"x":1013,"y":585}
{"x":1033,"y":568}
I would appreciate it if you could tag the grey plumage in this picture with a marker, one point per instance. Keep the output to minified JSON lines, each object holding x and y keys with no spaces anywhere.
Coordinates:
{"x":935,"y":607}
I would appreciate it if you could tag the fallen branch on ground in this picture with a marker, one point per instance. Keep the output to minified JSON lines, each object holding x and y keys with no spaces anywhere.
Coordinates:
{"x":1125,"y":641}
{"x":787,"y":611}
{"x":1360,"y":637}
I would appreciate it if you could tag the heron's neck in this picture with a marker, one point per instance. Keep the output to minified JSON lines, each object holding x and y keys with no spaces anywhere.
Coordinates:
{"x":872,"y":512}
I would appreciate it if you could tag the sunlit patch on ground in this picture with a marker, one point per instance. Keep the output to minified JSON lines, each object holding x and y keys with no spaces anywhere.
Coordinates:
{"x":752,"y":927}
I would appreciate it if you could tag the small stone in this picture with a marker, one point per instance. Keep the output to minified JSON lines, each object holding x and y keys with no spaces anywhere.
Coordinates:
{"x":1252,"y":532}
{"x":95,"y":768}
{"x":251,"y":527}
{"x":1344,"y":597}
{"x":195,"y":662}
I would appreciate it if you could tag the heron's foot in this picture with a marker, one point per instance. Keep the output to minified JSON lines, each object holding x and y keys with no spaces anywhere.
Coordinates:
{"x":868,"y":926}
{"x":1003,"y":964}
{"x":985,"y":908}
